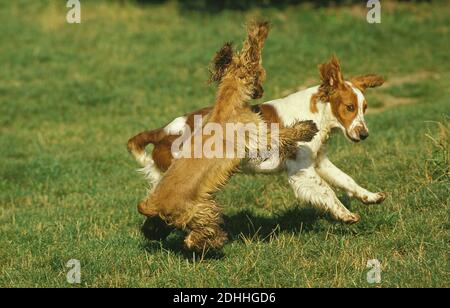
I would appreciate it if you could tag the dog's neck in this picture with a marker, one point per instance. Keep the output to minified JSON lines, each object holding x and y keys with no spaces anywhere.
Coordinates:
{"x":326,"y":119}
{"x":233,"y":95}
{"x":297,"y":107}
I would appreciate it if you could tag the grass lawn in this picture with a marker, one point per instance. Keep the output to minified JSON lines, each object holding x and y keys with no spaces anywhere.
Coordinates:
{"x":72,"y":95}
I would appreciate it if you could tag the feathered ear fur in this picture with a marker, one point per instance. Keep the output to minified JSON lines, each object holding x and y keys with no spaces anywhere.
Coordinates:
{"x":259,"y":30}
{"x":367,"y":81}
{"x":331,"y":74}
{"x":250,"y":57}
{"x":220,"y":63}
{"x":251,"y":53}
{"x":331,"y":77}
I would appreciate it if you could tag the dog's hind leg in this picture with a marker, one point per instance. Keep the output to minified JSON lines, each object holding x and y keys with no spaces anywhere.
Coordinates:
{"x":201,"y":219}
{"x":205,"y":231}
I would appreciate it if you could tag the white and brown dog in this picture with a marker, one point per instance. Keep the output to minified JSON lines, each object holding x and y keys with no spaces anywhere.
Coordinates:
{"x":336,"y":104}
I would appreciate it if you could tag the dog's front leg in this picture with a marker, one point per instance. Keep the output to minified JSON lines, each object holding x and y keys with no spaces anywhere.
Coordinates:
{"x":309,"y":187}
{"x":337,"y":178}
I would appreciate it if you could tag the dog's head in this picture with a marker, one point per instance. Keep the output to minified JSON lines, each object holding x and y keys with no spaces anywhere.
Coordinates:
{"x":347,"y":100}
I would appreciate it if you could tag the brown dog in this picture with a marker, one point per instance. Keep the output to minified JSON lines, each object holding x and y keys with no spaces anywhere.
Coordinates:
{"x":183,"y":196}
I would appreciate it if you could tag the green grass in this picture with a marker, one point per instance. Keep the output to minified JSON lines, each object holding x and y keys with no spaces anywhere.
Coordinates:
{"x":72,"y":95}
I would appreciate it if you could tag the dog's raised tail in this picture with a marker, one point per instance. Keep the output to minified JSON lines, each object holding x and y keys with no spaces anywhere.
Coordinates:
{"x":136,"y":145}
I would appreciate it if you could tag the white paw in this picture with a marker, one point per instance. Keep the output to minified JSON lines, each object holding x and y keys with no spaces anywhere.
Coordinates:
{"x":374,"y":198}
{"x":347,"y":217}
{"x":350,"y":218}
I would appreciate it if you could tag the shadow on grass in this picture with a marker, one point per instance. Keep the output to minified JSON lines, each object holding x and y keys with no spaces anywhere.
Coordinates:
{"x":239,"y":226}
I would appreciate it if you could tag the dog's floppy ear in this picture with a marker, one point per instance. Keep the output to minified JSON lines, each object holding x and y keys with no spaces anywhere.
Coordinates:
{"x":367,"y":81}
{"x":257,"y":32}
{"x":221,"y":61}
{"x":331,"y":74}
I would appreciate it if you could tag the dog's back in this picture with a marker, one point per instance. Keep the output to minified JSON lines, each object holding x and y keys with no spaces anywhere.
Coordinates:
{"x":163,"y":138}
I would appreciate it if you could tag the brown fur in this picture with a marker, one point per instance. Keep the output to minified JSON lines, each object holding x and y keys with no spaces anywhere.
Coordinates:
{"x":332,"y":69}
{"x":183,"y":197}
{"x":334,"y":90}
{"x":367,"y":81}
{"x":162,"y":155}
{"x":270,"y":115}
{"x":221,"y":61}
{"x":136,"y":145}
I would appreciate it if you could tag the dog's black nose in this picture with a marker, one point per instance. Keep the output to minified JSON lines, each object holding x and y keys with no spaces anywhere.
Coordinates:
{"x":363,"y":135}
{"x":258,"y":92}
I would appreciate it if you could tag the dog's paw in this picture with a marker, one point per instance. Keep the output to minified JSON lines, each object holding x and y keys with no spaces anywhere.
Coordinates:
{"x":199,"y":241}
{"x":374,"y":198}
{"x":189,"y":242}
{"x":347,"y":217}
{"x":350,"y":218}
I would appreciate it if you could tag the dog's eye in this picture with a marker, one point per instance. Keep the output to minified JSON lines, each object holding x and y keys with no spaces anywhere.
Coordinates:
{"x":350,"y":108}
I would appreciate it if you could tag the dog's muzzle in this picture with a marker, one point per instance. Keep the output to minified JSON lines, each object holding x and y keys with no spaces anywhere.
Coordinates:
{"x":359,"y":133}
{"x":364,"y":134}
{"x":258,"y":92}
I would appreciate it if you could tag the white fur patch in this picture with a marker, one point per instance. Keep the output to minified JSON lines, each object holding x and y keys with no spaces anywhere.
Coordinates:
{"x":176,"y":127}
{"x":273,"y":163}
{"x":359,"y":119}
{"x":151,"y":173}
{"x":144,"y":159}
